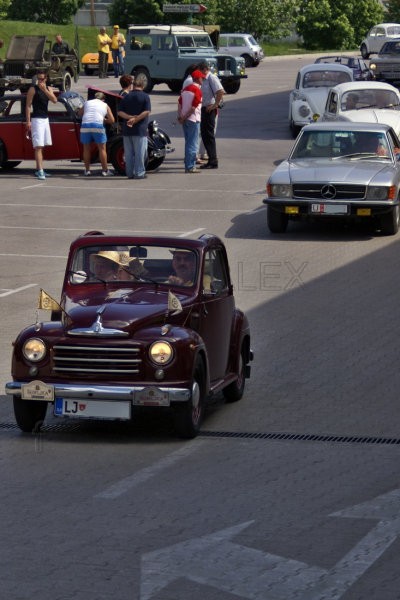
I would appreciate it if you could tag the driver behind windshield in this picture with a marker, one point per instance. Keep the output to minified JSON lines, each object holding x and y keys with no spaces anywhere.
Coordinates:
{"x":105,"y":265}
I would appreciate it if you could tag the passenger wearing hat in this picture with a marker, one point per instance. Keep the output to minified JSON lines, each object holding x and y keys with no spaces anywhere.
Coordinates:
{"x":103,"y":47}
{"x":105,"y":264}
{"x":184,"y":265}
{"x":95,"y":113}
{"x":117,"y":51}
{"x":189,"y":115}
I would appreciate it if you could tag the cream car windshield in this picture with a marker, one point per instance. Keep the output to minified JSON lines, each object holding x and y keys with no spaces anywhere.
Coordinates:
{"x":328,"y":78}
{"x":367,"y":98}
{"x":131,"y":264}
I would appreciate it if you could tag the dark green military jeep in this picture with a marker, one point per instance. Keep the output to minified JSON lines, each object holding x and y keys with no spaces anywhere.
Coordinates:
{"x":27,"y":54}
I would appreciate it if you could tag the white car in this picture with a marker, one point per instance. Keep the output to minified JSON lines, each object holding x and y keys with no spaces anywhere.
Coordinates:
{"x":313,"y":83}
{"x":364,"y":101}
{"x":377,"y":36}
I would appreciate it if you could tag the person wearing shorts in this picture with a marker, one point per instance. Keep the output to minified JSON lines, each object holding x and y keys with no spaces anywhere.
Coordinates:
{"x":95,"y":113}
{"x":37,"y":120}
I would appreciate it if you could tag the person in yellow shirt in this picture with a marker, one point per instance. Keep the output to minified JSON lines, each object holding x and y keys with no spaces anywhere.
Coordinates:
{"x":117,"y":50}
{"x":103,"y":46}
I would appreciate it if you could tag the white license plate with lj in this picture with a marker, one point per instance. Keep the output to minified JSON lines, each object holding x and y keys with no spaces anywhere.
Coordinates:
{"x":99,"y":409}
{"x":329,"y":209}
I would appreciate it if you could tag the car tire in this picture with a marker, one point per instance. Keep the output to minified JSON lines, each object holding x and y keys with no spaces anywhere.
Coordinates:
{"x":389,"y":223}
{"x":232,"y":87}
{"x":277,"y":221}
{"x":188,"y":416}
{"x":175,"y":86}
{"x":148,"y":83}
{"x":295,"y":129}
{"x":116,"y":156}
{"x":234,"y":391}
{"x":29,"y":414}
{"x":87,"y":70}
{"x":248,"y":61}
{"x":364,"y":51}
{"x":4,"y":162}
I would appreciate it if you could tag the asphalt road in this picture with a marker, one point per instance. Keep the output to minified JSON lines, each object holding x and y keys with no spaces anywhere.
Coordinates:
{"x":290,"y":494}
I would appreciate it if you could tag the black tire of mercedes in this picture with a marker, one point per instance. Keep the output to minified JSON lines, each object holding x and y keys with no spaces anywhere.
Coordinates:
{"x":277,"y":221}
{"x":234,"y":391}
{"x":188,"y":415}
{"x":364,"y":51}
{"x":29,"y":414}
{"x":390,"y":222}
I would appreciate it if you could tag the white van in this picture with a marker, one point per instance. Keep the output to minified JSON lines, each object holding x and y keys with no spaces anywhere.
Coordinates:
{"x":241,"y":44}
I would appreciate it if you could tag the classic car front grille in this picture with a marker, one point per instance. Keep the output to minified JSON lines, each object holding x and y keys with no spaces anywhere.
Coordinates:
{"x":14,"y":69}
{"x":84,"y":360}
{"x":389,"y":70}
{"x":317,"y":191}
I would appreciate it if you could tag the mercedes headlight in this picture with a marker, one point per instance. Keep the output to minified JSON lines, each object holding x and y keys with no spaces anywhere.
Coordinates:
{"x":34,"y":350}
{"x":380,"y":192}
{"x":161,"y":353}
{"x":279,"y":190}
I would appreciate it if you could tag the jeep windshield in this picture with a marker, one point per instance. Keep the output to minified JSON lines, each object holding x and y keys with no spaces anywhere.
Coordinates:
{"x":104,"y":264}
{"x":194,"y":41}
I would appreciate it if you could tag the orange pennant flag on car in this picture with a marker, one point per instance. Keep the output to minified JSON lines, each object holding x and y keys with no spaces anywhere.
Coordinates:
{"x":46,"y":302}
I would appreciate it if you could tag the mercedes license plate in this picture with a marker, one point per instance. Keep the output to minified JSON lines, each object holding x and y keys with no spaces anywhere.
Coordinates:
{"x":329,"y":209}
{"x":100,"y":409}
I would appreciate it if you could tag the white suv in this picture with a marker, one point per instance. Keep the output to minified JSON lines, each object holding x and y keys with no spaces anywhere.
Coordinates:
{"x":241,"y":44}
{"x":377,"y":36}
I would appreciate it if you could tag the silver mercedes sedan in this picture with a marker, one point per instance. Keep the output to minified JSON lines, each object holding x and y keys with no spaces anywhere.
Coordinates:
{"x":341,"y":171}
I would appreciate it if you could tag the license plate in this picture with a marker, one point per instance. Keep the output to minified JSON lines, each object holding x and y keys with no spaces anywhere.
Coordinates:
{"x":151,"y":396}
{"x":100,"y":409}
{"x":329,"y":209}
{"x":37,"y":390}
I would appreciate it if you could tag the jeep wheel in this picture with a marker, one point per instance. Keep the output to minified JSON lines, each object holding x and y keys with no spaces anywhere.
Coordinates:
{"x":66,"y":83}
{"x":189,"y":415}
{"x":29,"y":414}
{"x":277,"y":221}
{"x":145,"y":76}
{"x":231,"y":87}
{"x":116,"y":156}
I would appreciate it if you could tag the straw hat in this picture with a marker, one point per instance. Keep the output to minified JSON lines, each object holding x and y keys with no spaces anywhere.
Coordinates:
{"x":112,"y":255}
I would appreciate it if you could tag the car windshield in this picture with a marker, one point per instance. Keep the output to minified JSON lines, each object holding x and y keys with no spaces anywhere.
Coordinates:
{"x":328,"y":78}
{"x":194,"y":41}
{"x":341,"y":144}
{"x":367,"y":98}
{"x":155,"y":264}
{"x":391,"y":48}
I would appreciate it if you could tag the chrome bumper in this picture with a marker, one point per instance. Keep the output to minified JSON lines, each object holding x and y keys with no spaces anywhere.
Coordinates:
{"x":102,"y":392}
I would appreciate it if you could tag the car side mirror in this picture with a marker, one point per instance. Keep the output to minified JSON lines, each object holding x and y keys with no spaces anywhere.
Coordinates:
{"x":78,"y":277}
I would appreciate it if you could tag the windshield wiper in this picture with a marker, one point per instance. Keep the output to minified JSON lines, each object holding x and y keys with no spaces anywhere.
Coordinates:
{"x":360,"y":155}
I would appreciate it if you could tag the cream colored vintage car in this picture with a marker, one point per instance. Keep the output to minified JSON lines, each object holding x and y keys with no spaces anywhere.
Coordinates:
{"x":309,"y":96}
{"x":366,"y":102}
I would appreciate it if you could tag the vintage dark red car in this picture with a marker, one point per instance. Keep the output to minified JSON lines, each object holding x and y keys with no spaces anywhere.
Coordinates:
{"x":143,"y":322}
{"x":65,"y":123}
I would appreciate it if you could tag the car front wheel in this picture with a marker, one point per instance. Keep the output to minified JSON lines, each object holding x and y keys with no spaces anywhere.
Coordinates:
{"x":66,"y":83}
{"x":145,"y":76}
{"x":277,"y":221}
{"x":29,"y":414}
{"x":189,"y":415}
{"x":234,"y":391}
{"x":364,"y":51}
{"x":390,"y":222}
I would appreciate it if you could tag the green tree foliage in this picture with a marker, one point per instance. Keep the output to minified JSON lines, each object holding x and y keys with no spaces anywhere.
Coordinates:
{"x":272,"y":18}
{"x":44,"y":11}
{"x":4,"y":4}
{"x":393,"y":8}
{"x":336,"y":24}
{"x":136,"y":12}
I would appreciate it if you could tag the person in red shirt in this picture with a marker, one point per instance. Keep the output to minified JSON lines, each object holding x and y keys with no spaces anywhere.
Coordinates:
{"x":189,"y":115}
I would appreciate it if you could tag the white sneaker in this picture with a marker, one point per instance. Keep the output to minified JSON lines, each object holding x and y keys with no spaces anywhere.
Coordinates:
{"x":40,"y":174}
{"x":107,"y":173}
{"x":87,"y":173}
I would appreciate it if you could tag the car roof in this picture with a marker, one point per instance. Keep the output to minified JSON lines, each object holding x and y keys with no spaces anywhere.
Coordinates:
{"x":346,"y":126}
{"x":364,"y":85}
{"x":98,"y":239}
{"x":336,"y":57}
{"x":325,"y":67}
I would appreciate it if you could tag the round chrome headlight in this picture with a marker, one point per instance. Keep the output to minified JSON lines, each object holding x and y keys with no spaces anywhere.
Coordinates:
{"x":34,"y":349}
{"x":161,"y":353}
